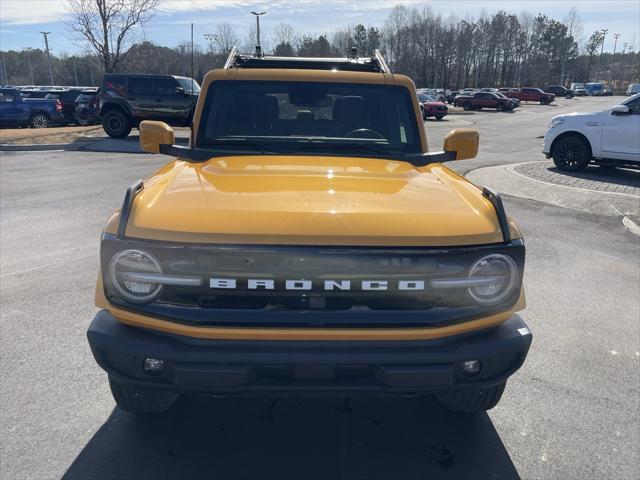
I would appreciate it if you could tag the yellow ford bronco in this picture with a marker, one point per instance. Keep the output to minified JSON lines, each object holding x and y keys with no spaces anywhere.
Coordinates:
{"x":307,"y":242}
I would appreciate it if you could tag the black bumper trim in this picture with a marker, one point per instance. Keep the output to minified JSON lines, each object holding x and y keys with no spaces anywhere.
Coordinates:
{"x":299,"y":367}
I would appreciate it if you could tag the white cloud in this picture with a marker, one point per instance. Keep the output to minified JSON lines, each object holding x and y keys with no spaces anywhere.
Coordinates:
{"x":26,"y":12}
{"x":47,"y":11}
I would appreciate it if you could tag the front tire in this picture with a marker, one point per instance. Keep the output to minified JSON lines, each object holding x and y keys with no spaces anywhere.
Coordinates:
{"x":571,"y":154}
{"x":472,"y":401}
{"x":141,"y":400}
{"x":116,"y":124}
{"x":439,"y":117}
{"x":500,"y":107}
{"x":39,"y":120}
{"x":467,"y":106}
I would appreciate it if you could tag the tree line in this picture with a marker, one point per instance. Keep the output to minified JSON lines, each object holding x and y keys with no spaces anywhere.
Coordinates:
{"x":501,"y":49}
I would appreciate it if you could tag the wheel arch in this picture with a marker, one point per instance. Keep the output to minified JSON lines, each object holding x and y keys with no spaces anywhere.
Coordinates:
{"x":571,"y":133}
{"x":35,"y":112}
{"x":115,"y":106}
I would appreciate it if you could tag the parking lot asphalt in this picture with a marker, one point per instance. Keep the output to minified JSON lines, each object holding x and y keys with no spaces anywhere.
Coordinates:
{"x":572,"y":411}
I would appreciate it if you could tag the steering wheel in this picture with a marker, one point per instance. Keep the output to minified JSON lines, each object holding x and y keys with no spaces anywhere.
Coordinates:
{"x":364,"y":133}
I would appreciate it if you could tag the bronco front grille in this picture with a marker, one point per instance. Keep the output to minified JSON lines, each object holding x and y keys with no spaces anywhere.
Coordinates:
{"x":269,"y":280}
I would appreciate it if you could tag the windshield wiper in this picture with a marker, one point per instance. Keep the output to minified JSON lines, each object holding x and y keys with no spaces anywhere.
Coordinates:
{"x":350,"y":147}
{"x":242,"y":142}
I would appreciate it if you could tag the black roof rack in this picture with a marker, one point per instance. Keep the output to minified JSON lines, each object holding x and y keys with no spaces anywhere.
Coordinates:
{"x":375,"y":63}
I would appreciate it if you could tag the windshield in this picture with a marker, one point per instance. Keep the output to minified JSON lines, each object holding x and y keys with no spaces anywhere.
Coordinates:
{"x":500,"y":95}
{"x":425,"y":98}
{"x":188,"y":84}
{"x":303,"y":117}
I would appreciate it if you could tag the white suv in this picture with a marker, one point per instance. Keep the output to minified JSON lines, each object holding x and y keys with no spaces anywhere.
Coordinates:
{"x":611,"y":137}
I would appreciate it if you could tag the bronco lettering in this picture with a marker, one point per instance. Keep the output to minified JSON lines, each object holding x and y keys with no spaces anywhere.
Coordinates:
{"x":287,"y":284}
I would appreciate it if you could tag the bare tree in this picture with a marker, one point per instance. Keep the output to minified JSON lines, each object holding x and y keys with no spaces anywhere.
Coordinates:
{"x":106,"y":25}
{"x":225,"y":38}
{"x":250,"y":40}
{"x":284,"y":33}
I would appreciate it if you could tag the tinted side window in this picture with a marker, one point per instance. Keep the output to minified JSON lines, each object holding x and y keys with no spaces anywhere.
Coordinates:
{"x":7,"y":97}
{"x":117,"y":85}
{"x":141,"y":86}
{"x":164,"y":86}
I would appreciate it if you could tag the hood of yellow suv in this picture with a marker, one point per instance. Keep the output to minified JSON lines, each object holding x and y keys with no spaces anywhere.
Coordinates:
{"x":306,"y":200}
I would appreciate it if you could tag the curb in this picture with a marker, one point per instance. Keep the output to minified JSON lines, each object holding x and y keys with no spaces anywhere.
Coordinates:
{"x":462,"y":113}
{"x":504,"y":179}
{"x":631,"y":225}
{"x":38,"y":147}
{"x":511,"y":168}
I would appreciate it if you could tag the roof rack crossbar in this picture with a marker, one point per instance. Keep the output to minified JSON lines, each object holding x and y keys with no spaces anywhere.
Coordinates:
{"x":373,"y":64}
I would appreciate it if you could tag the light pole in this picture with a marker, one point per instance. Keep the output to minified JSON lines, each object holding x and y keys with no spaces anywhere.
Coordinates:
{"x":46,"y":44}
{"x":75,"y":70}
{"x":183,"y":46}
{"x":258,"y":14}
{"x":191,"y":84}
{"x":624,"y":49}
{"x":604,"y":32}
{"x":613,"y":57}
{"x":27,"y":50}
{"x":616,"y":36}
{"x":210,"y":38}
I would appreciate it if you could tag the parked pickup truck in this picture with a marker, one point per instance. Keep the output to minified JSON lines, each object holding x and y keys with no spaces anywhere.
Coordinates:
{"x":16,"y":111}
{"x":529,"y":95}
{"x":560,"y":91}
{"x":308,"y":242}
{"x":479,"y":100}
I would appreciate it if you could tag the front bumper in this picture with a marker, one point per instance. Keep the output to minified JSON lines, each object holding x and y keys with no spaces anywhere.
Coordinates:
{"x":549,"y":137}
{"x":307,"y":367}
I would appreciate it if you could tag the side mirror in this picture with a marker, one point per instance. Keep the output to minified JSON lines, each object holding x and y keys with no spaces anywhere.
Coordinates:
{"x":463,"y":142}
{"x":153,"y":134}
{"x":619,"y":110}
{"x":180,"y":90}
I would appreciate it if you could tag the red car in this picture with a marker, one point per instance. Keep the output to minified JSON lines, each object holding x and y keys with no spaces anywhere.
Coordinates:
{"x":480,"y":100}
{"x":431,"y":108}
{"x":529,"y":94}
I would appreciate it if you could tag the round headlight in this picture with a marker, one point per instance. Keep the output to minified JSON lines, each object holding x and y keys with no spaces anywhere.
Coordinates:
{"x":127,"y":270}
{"x":496,"y":276}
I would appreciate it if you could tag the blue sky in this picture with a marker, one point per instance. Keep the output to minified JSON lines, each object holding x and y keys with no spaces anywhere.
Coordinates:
{"x":21,"y":20}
